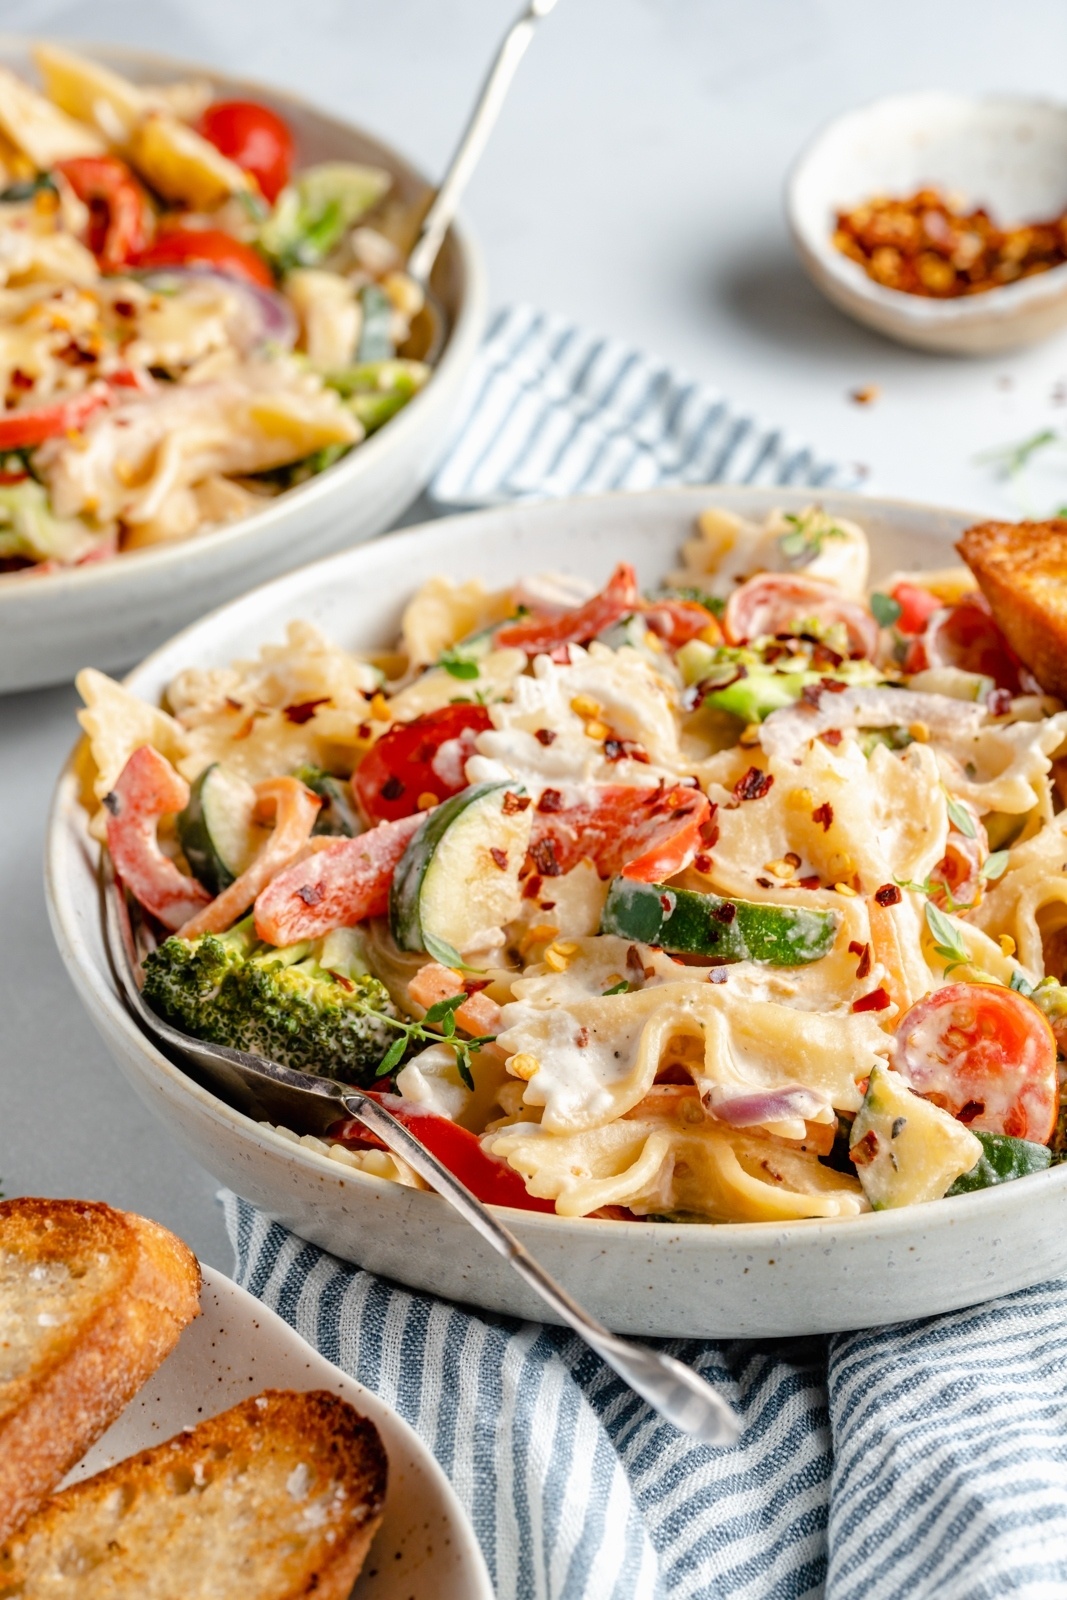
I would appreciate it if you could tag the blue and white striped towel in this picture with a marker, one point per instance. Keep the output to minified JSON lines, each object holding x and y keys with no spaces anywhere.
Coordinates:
{"x":553,"y":409}
{"x":926,"y":1459}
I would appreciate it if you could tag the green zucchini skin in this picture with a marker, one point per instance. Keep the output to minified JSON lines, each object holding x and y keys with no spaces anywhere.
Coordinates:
{"x":686,"y":923}
{"x":337,"y":817}
{"x":1003,"y":1158}
{"x":406,"y":893}
{"x":194,"y":835}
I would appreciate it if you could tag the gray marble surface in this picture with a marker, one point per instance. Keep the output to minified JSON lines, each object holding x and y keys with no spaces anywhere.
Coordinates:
{"x":634,"y":182}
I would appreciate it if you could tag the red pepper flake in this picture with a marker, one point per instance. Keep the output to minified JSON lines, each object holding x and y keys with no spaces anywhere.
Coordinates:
{"x":865,"y":1149}
{"x":972,"y":1109}
{"x":754,"y":785}
{"x":21,"y":380}
{"x":717,"y":975}
{"x":823,"y":814}
{"x":514,"y":802}
{"x":635,"y":962}
{"x":832,"y":737}
{"x":305,"y":710}
{"x":581,"y":1038}
{"x":547,"y":905}
{"x":998,"y":702}
{"x":725,"y":913}
{"x":624,"y":750}
{"x":877,"y":1000}
{"x":392,"y":788}
{"x":339,"y":977}
{"x":544,"y":855}
{"x":667,"y":903}
{"x":765,"y":883}
{"x":363,"y":731}
{"x":888,"y":895}
{"x":812,"y":881}
{"x":475,"y":985}
{"x":702,"y":862}
{"x":532,"y":887}
{"x":234,"y":705}
{"x":833,"y":685}
{"x":811,"y":694}
{"x":500,"y":857}
{"x":310,"y":893}
{"x":858,"y":948}
{"x":551,"y":800}
{"x":822,"y":656}
{"x":545,"y":736}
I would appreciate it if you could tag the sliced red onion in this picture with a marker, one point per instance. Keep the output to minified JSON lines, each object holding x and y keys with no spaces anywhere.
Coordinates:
{"x":270,"y":318}
{"x":748,"y":1108}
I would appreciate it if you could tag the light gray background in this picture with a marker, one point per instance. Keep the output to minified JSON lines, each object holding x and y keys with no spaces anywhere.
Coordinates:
{"x":634,"y":183}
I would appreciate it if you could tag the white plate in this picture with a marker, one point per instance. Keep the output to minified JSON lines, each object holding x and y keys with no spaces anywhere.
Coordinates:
{"x":651,"y":1278}
{"x":425,"y":1548}
{"x":110,"y":613}
{"x":1007,"y":152}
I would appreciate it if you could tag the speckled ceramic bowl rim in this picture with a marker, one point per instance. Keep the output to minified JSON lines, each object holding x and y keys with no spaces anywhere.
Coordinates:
{"x":93,"y":578}
{"x":95,"y":986}
{"x":1004,"y":301}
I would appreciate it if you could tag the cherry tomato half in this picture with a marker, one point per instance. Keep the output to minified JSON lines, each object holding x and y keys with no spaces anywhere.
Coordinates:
{"x":253,"y":136}
{"x":207,"y":247}
{"x":984,"y":1054}
{"x":917,"y":606}
{"x":418,"y":758}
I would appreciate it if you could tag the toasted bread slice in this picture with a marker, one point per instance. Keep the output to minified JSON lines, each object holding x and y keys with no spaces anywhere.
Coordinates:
{"x":91,"y":1302}
{"x":274,"y":1500}
{"x":1021,"y":569}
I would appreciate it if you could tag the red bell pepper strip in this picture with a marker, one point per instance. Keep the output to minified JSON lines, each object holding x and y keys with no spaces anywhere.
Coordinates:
{"x":645,"y":834}
{"x":21,"y":430}
{"x":539,"y":635}
{"x":146,"y":789}
{"x":342,"y":882}
{"x":119,"y":213}
{"x":207,"y":247}
{"x":490,"y":1180}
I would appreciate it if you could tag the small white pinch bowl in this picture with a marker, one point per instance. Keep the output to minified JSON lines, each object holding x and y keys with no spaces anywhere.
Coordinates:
{"x":748,"y":1280}
{"x":1006,"y":152}
{"x":237,"y":1347}
{"x":109,"y":613}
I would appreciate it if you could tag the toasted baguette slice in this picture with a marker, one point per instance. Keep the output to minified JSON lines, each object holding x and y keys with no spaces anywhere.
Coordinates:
{"x":1021,"y":569}
{"x":91,"y":1302}
{"x":274,"y":1500}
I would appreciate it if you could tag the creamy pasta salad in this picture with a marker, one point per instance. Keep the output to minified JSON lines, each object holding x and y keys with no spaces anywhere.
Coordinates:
{"x":190,"y":321}
{"x":741,"y":900}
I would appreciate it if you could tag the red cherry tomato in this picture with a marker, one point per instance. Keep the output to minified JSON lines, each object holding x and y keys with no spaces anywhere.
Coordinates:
{"x":490,"y":1180}
{"x":776,"y":602}
{"x":984,"y":1054}
{"x":540,"y":635}
{"x":253,"y":136}
{"x":21,"y":430}
{"x":422,"y":757}
{"x":917,"y":606}
{"x":207,"y":247}
{"x":119,"y":214}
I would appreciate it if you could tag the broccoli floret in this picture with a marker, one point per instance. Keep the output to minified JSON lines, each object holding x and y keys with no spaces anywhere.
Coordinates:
{"x":311,"y":1006}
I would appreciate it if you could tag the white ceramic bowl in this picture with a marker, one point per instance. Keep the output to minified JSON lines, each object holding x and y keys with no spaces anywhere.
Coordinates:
{"x":650,"y":1278}
{"x":1006,"y":152}
{"x":238,"y":1347}
{"x":110,"y":613}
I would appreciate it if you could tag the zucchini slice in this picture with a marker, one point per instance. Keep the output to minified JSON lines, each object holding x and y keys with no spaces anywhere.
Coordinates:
{"x":217,"y":830}
{"x":337,"y":817}
{"x":686,"y":923}
{"x":459,"y":875}
{"x":1003,"y":1158}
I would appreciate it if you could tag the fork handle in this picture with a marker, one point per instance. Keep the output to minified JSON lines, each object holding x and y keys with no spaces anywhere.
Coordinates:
{"x":676,"y":1391}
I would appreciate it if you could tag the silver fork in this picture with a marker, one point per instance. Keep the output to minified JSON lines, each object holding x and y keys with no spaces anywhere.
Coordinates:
{"x":260,"y":1086}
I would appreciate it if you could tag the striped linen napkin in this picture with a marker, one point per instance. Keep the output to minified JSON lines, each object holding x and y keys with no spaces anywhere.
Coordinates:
{"x":925,"y":1459}
{"x":553,"y":409}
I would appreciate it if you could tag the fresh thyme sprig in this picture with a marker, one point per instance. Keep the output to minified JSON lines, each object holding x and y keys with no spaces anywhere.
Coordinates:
{"x":443,"y":1012}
